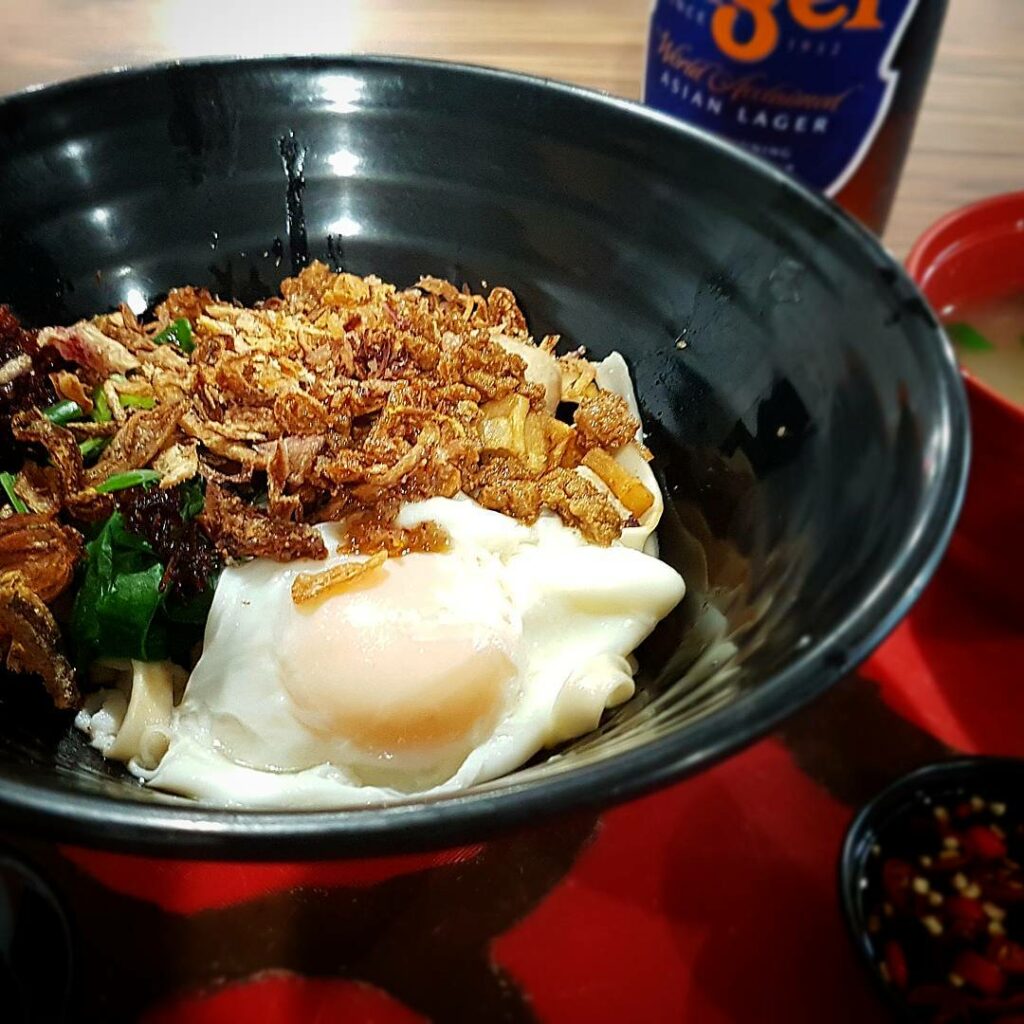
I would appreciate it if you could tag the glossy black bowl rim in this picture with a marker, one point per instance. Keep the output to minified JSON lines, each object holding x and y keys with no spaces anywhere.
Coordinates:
{"x":882,"y":810}
{"x":180,"y":830}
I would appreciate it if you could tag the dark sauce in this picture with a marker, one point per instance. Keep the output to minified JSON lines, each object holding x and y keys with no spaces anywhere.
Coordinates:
{"x":944,"y":906}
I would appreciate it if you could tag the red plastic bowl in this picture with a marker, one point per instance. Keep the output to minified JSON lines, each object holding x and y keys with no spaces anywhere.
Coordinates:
{"x":971,"y":255}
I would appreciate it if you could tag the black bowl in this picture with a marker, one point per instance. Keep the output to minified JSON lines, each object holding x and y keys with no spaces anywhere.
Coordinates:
{"x":805,"y":410}
{"x":991,"y":777}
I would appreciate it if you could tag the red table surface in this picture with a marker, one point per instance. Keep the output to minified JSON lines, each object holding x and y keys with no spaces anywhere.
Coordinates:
{"x":712,"y":901}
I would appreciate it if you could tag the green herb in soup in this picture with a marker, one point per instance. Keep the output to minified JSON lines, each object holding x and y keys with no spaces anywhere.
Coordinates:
{"x":989,"y":340}
{"x":967,"y":337}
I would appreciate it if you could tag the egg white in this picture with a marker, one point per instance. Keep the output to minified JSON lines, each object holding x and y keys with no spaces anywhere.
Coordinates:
{"x":570,"y":613}
{"x":344,"y":703}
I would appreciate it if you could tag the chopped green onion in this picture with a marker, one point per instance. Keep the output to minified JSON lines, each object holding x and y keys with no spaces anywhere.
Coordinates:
{"x":968,"y":337}
{"x":7,"y":483}
{"x":136,"y":401}
{"x":122,"y":481}
{"x":92,"y":446}
{"x":177,"y":331}
{"x":63,"y":412}
{"x":100,"y":406}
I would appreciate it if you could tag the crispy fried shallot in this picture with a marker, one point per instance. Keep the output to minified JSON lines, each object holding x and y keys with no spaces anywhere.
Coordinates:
{"x":42,"y":550}
{"x":312,"y":586}
{"x":31,"y":427}
{"x":31,"y":639}
{"x":343,"y":399}
{"x":241,"y":531}
{"x":137,"y":443}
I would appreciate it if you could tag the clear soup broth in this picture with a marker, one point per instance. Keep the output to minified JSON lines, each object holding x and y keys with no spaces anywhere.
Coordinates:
{"x":989,"y":341}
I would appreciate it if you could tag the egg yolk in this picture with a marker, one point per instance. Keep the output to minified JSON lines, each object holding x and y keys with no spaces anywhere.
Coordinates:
{"x":416,"y":659}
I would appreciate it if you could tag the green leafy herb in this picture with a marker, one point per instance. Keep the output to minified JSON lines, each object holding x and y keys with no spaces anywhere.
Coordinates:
{"x":132,"y":478}
{"x":92,"y":446}
{"x":178,"y":332}
{"x":122,"y":609}
{"x":136,"y":401}
{"x":969,"y":337}
{"x":101,"y":407}
{"x":192,"y":499}
{"x":193,"y":612}
{"x":117,"y":603}
{"x":63,"y":412}
{"x":7,"y":483}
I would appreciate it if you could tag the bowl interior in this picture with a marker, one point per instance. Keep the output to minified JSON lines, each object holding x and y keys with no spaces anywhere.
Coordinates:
{"x":806,"y":416}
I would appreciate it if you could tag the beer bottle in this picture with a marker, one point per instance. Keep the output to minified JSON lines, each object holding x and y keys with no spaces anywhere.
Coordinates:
{"x":829,"y":90}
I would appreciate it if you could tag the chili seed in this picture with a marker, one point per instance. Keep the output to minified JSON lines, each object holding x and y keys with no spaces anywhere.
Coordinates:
{"x":996,"y":913}
{"x":1009,"y":955}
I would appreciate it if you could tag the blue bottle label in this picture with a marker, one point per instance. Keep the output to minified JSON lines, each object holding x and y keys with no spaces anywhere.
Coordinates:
{"x":806,"y":84}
